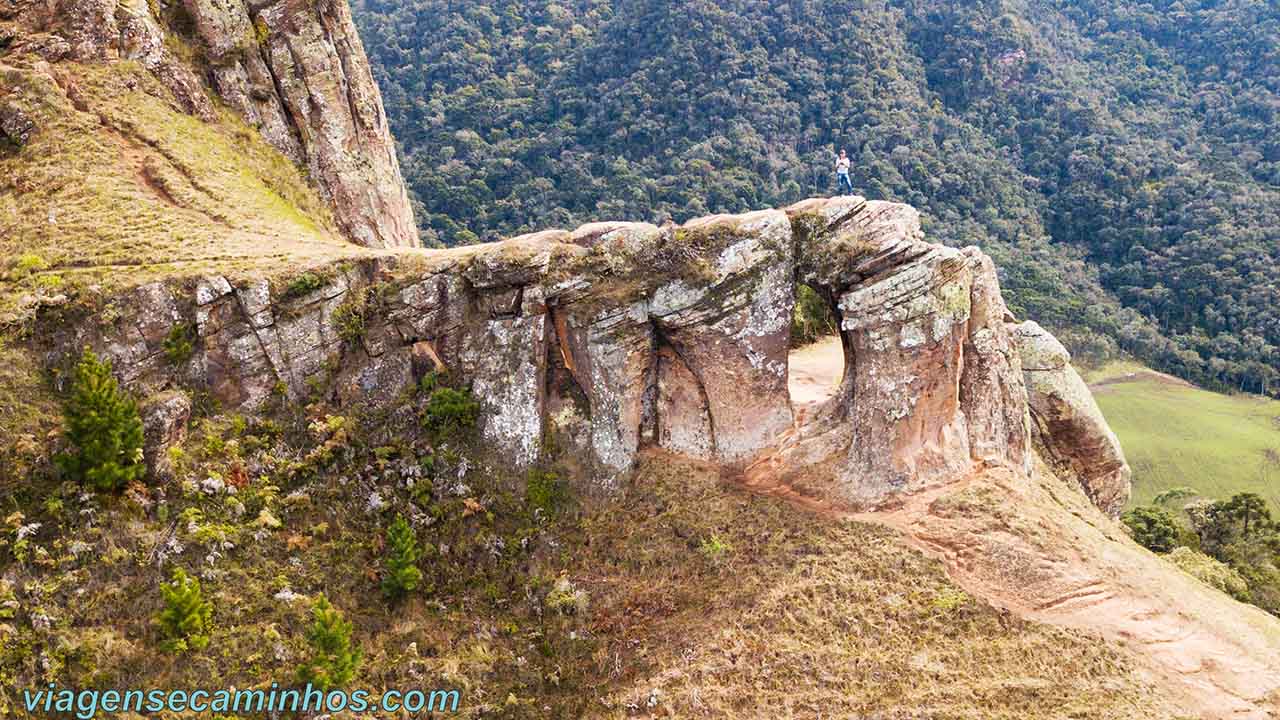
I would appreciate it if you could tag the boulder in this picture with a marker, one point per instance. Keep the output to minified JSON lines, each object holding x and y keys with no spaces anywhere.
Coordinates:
{"x":15,"y":125}
{"x":164,"y":424}
{"x":1067,"y":422}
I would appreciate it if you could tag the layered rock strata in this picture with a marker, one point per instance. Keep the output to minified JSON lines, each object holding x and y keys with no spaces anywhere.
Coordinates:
{"x":619,"y":336}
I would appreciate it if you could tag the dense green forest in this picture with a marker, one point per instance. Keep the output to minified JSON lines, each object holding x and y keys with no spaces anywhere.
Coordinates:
{"x":1119,"y":159}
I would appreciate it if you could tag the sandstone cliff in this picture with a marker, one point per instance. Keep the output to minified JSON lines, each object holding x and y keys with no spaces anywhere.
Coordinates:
{"x":294,"y":70}
{"x":620,"y":336}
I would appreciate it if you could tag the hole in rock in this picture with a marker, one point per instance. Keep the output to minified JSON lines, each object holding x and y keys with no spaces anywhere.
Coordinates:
{"x":816,"y":363}
{"x":814,"y":373}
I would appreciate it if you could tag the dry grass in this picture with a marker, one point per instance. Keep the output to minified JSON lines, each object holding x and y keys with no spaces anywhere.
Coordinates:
{"x":713,"y":602}
{"x":28,"y":413}
{"x":116,"y":186}
{"x":809,"y":617}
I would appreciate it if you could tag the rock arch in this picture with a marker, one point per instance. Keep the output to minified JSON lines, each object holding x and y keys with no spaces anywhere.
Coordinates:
{"x":621,"y":335}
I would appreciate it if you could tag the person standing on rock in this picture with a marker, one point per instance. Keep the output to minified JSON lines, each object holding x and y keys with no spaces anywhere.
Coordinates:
{"x":842,"y":171}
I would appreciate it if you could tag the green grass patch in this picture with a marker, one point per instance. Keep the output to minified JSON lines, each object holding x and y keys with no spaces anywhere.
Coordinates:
{"x":1176,"y":435}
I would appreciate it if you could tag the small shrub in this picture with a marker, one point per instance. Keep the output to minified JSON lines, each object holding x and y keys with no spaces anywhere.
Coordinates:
{"x":179,"y":344}
{"x":306,"y":283}
{"x":261,"y":32}
{"x":1173,"y":495}
{"x":949,"y":600}
{"x":450,"y":411}
{"x":103,"y":428}
{"x":332,"y":661}
{"x":566,"y":599}
{"x":1153,"y":527}
{"x":1211,"y":572}
{"x":349,"y":319}
{"x":186,"y":619}
{"x":50,"y":282}
{"x":714,"y":549}
{"x":545,"y":491}
{"x":400,"y":573}
{"x":27,"y":264}
{"x":431,"y":381}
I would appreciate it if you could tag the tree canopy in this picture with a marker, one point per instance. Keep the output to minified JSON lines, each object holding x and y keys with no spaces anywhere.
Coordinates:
{"x":1119,"y":159}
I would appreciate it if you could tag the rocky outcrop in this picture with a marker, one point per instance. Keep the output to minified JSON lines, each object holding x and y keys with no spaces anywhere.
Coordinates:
{"x":164,"y":422}
{"x":295,"y":70}
{"x":1067,"y":421}
{"x":106,"y":30}
{"x":932,"y":382}
{"x":15,"y":126}
{"x":621,"y":336}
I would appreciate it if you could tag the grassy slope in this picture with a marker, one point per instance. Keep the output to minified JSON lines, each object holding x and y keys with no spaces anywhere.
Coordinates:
{"x":727,"y":604}
{"x":1177,"y":435}
{"x":807,"y":616}
{"x":116,"y":186}
{"x":730,"y":605}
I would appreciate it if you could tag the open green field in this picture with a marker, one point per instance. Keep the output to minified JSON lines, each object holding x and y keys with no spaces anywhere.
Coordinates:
{"x":1175,"y":434}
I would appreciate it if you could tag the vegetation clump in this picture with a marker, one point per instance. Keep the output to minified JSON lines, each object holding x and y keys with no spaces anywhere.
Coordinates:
{"x":27,"y":264}
{"x":332,"y":661}
{"x":566,"y":598}
{"x":187,"y":618}
{"x":545,"y":492}
{"x":179,"y":344}
{"x":400,"y":573}
{"x":1232,"y":544}
{"x":103,"y":428}
{"x":449,"y":410}
{"x":812,"y":318}
{"x":1153,"y":528}
{"x":1211,"y":572}
{"x":714,"y":548}
{"x":349,"y":318}
{"x":306,"y":283}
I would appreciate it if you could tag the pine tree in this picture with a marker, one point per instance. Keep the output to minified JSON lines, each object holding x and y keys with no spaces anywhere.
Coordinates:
{"x":103,"y":428}
{"x":400,"y":572}
{"x":333,"y":661}
{"x":187,"y":618}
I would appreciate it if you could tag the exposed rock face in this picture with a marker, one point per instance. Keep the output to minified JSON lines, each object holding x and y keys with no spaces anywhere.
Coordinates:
{"x":164,"y":422}
{"x":932,"y":382}
{"x":295,"y":70}
{"x":298,"y":68}
{"x":101,"y":30}
{"x":619,"y":336}
{"x":1067,"y":421}
{"x":991,"y":385}
{"x":15,"y":126}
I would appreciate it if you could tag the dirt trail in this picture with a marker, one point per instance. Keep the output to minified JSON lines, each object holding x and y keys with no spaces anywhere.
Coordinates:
{"x":1039,"y":549}
{"x":814,"y":372}
{"x":1047,"y":555}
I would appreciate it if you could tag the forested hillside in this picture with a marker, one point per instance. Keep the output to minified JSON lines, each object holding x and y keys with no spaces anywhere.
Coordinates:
{"x":1120,"y":159}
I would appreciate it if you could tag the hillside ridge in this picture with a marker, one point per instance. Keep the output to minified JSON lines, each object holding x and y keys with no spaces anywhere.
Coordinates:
{"x":206,"y":196}
{"x":296,"y":72}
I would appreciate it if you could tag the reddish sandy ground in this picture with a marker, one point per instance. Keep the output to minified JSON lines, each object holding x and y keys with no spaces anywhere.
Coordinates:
{"x":1038,"y":548}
